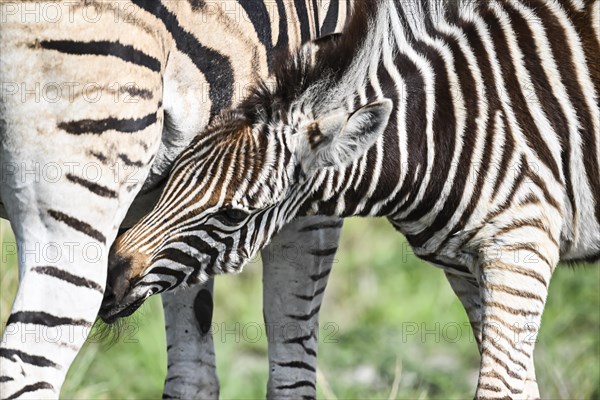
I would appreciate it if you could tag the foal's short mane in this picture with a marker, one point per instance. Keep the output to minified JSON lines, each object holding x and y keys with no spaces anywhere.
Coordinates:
{"x":302,"y":71}
{"x":295,"y":73}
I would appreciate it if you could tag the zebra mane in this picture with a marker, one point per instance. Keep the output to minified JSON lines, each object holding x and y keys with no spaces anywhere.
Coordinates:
{"x":324,"y":65}
{"x":418,"y":17}
{"x":316,"y":67}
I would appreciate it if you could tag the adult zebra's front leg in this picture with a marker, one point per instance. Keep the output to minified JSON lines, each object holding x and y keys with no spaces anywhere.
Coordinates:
{"x":71,"y":163}
{"x":296,"y":266}
{"x":63,"y":231}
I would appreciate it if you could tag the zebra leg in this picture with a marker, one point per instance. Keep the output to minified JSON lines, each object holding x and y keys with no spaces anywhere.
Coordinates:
{"x":63,"y":253}
{"x":296,"y":268}
{"x":192,"y":370}
{"x":63,"y":233}
{"x":64,"y":185}
{"x":532,"y":391}
{"x":514,"y":285}
{"x":468,"y":292}
{"x":50,"y":319}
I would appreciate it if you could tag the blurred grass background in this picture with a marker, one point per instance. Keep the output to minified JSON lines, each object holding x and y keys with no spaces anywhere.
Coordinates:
{"x":377,"y":295}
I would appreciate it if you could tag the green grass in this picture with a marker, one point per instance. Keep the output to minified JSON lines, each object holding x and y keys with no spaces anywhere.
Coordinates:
{"x":389,"y":325}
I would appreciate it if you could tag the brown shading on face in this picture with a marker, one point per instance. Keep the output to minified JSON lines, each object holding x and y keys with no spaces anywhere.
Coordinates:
{"x":315,"y":136}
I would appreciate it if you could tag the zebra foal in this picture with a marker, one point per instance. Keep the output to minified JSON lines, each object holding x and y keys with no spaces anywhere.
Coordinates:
{"x":473,"y":127}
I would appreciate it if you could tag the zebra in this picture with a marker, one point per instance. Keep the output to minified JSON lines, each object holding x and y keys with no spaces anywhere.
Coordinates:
{"x":472,"y":127}
{"x":107,"y":86}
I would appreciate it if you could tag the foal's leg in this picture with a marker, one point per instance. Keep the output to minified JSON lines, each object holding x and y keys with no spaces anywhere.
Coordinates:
{"x":296,"y":267}
{"x":192,"y":370}
{"x":468,"y":292}
{"x":514,"y":285}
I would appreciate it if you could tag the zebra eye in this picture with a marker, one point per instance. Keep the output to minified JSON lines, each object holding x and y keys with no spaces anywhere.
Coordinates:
{"x":232,"y":215}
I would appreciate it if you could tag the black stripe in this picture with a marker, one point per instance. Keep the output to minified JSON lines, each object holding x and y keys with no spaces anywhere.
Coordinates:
{"x":507,"y":152}
{"x":390,"y":145}
{"x":516,"y":185}
{"x":305,"y":297}
{"x":297,"y":364}
{"x":259,"y":16}
{"x":319,"y":291}
{"x":204,"y":248}
{"x":318,"y":277}
{"x":101,"y":157}
{"x":404,"y":22}
{"x":215,"y":66}
{"x":300,"y":340}
{"x":298,"y":384}
{"x":38,"y":361}
{"x":302,"y":14}
{"x":306,"y":317}
{"x":78,"y":225}
{"x":31,"y":388}
{"x":67,"y":277}
{"x":330,"y":22}
{"x":283,"y":39}
{"x":130,"y":163}
{"x":134,"y":91}
{"x":6,"y":379}
{"x":178,"y":275}
{"x":317,"y":26}
{"x":93,"y":187}
{"x":104,"y":48}
{"x":547,"y":100}
{"x":43,"y":318}
{"x":323,"y":252}
{"x":226,"y":240}
{"x":98,"y":126}
{"x":203,"y":310}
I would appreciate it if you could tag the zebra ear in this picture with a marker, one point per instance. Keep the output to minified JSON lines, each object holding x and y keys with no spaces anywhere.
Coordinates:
{"x":338,"y":139}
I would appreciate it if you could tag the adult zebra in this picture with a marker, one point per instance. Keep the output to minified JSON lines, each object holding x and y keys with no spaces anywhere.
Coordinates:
{"x":95,"y":107}
{"x":393,"y":123}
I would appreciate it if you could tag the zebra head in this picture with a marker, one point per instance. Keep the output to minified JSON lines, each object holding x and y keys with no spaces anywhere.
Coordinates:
{"x":230,"y":191}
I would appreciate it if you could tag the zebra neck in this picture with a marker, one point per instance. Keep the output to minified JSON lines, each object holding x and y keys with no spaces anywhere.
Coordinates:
{"x":404,"y":172}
